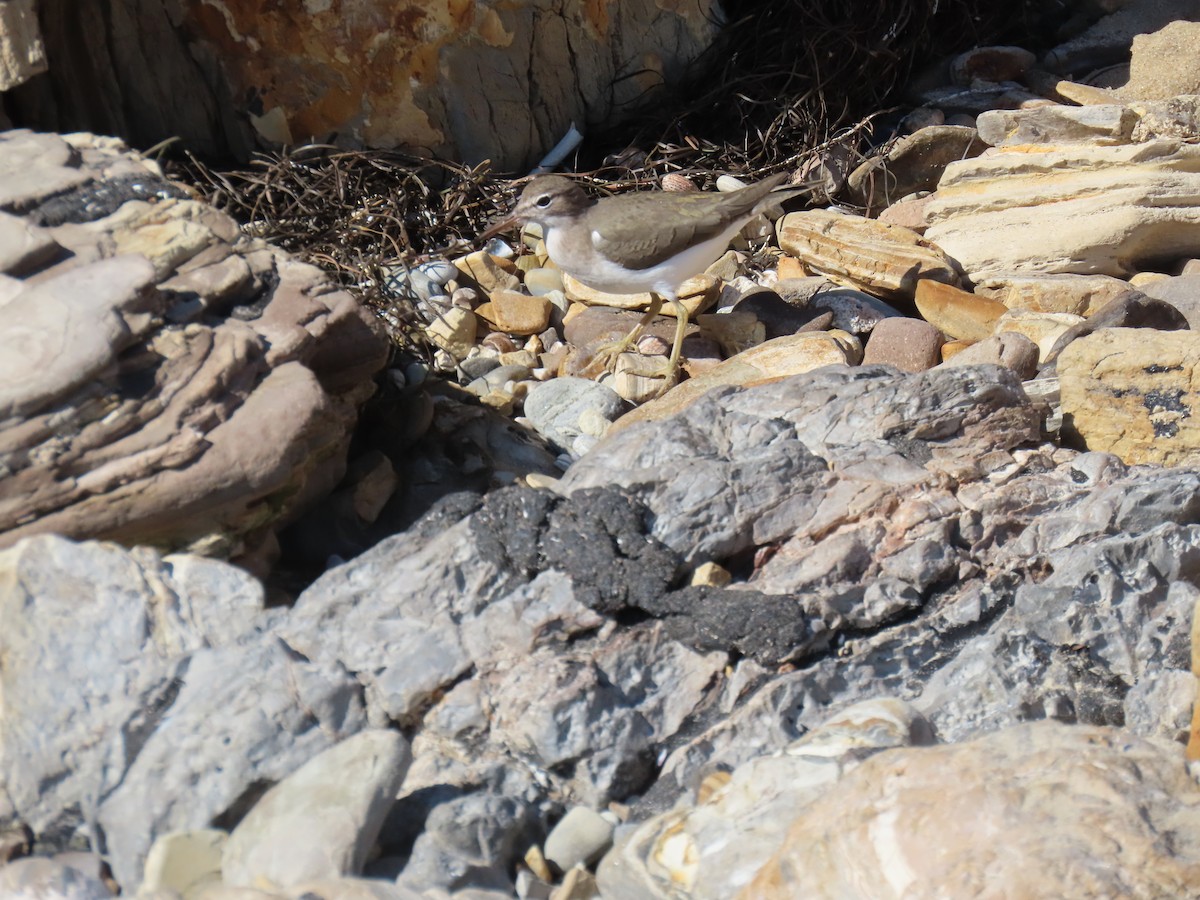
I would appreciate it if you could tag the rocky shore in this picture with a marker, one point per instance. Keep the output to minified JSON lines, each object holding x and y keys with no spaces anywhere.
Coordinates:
{"x":893,"y":596}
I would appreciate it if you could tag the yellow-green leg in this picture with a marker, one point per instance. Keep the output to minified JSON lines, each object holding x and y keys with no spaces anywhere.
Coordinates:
{"x":606,"y":355}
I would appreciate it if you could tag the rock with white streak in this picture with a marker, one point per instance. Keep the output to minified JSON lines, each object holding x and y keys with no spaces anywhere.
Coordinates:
{"x":1123,"y":823}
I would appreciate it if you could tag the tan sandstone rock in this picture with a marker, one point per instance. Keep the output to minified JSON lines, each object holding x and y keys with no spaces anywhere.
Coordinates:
{"x":1069,"y":208}
{"x":1134,"y":393}
{"x":887,"y":260}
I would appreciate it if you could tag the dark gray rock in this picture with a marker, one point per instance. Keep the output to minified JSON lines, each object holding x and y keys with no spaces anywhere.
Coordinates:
{"x":145,"y":695}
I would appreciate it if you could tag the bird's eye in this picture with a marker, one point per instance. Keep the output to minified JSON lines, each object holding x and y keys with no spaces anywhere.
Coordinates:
{"x":543,"y":201}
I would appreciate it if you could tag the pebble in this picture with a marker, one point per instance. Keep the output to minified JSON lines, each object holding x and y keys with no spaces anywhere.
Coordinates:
{"x":500,"y":249}
{"x":776,"y":315}
{"x":496,"y":379}
{"x":466,"y":297}
{"x":711,"y":574}
{"x":454,"y":331}
{"x":489,"y":272}
{"x":727,"y":184}
{"x":1182,"y":292}
{"x":854,"y":311}
{"x":1044,"y":329}
{"x":1009,"y":349}
{"x":441,"y":272}
{"x":958,"y":313}
{"x":411,"y":284}
{"x":39,"y":876}
{"x":526,"y":358}
{"x":184,"y":861}
{"x":542,"y":281}
{"x":991,"y":64}
{"x":578,"y":884}
{"x":673,"y":181}
{"x":913,"y":163}
{"x":910,"y":345}
{"x":727,"y":267}
{"x":734,"y":331}
{"x":515,"y":313}
{"x":581,"y":836}
{"x":638,"y":378}
{"x":1080,"y":294}
{"x":909,"y":212}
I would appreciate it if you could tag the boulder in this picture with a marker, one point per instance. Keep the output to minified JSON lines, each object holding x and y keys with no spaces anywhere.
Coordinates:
{"x":166,"y":380}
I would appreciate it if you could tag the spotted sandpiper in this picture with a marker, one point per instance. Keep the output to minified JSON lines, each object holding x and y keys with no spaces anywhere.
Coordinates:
{"x":637,"y":242}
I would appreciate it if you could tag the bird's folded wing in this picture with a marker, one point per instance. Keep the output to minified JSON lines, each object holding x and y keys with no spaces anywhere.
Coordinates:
{"x":654,"y":227}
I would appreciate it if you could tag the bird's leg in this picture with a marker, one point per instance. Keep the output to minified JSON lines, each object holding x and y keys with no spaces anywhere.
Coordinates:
{"x":681,"y":323}
{"x":606,"y":355}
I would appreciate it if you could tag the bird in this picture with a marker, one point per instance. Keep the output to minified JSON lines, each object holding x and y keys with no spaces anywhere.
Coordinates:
{"x":634,"y":243}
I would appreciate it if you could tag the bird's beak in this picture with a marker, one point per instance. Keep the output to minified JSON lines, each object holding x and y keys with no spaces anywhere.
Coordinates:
{"x":503,"y":225}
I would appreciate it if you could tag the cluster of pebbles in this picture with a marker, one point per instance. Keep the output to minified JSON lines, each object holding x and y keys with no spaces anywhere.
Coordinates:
{"x":955,"y":243}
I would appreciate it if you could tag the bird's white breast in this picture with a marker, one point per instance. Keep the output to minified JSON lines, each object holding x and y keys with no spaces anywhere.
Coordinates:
{"x":582,"y":261}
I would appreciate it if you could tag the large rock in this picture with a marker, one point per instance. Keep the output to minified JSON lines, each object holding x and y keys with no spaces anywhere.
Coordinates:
{"x":1042,"y":810}
{"x":1134,"y":397}
{"x":1077,"y":208}
{"x":367,"y":72}
{"x":165,"y":380}
{"x":713,"y":846}
{"x":142,"y":695}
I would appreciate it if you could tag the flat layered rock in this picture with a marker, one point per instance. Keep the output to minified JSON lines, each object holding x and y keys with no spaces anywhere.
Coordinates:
{"x":887,"y":260}
{"x":165,"y":380}
{"x":1073,"y":208}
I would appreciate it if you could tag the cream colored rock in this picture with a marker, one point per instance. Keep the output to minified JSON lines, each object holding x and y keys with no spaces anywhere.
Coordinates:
{"x":1042,"y":810}
{"x":767,"y":362}
{"x":1134,"y":393}
{"x":711,"y":574}
{"x":734,"y":331}
{"x":1081,"y":295}
{"x":639,"y":378}
{"x":1044,"y":329}
{"x":490,"y":272}
{"x":707,"y":851}
{"x":1165,"y":63}
{"x":454,"y":331}
{"x":1177,"y":118}
{"x":185,"y":862}
{"x":1069,"y":208}
{"x":696,"y":294}
{"x":887,"y":260}
{"x":958,"y":313}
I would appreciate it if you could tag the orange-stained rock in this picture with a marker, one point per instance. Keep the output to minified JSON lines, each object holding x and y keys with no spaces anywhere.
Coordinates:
{"x":387,"y":73}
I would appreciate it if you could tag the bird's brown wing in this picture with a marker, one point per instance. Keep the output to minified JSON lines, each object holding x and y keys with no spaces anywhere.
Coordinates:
{"x":653,"y":227}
